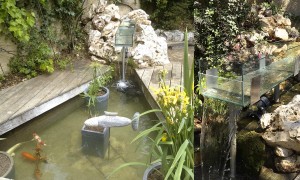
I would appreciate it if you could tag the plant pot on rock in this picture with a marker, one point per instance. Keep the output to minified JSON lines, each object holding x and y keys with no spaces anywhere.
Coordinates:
{"x":7,"y":169}
{"x":96,"y":94}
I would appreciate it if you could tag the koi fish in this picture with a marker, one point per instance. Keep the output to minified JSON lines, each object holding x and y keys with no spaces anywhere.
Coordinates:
{"x":28,"y":156}
{"x":38,"y":139}
{"x":16,"y":146}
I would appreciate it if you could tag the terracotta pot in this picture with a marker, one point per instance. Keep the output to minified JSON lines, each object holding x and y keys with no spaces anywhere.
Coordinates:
{"x":7,"y":169}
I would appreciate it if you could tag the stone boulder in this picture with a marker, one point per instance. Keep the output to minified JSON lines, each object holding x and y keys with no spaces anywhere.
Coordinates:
{"x":288,"y":164}
{"x":113,"y":11}
{"x":148,"y":48}
{"x":283,"y":152}
{"x":281,"y":33}
{"x":139,"y":17}
{"x":283,"y":126}
{"x":288,"y":114}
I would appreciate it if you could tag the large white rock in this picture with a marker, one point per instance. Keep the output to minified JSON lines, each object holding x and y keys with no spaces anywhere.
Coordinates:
{"x":281,"y":33}
{"x":95,"y":38}
{"x":283,"y":126}
{"x":150,"y":47}
{"x":113,"y":11}
{"x":283,"y":152}
{"x":110,"y":29}
{"x":99,"y":21}
{"x":139,"y":16}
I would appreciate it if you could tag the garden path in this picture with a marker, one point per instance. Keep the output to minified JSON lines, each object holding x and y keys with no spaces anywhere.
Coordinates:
{"x":28,"y":99}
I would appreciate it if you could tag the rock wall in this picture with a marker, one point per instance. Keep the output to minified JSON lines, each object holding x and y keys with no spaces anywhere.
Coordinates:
{"x":7,"y":45}
{"x":148,"y":49}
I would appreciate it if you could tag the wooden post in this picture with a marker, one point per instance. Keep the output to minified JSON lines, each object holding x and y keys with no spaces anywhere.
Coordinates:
{"x":233,"y":112}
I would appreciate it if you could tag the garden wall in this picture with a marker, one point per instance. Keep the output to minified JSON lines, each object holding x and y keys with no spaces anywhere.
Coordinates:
{"x":7,"y":45}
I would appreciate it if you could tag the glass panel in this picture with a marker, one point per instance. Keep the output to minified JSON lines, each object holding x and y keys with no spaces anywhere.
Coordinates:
{"x":272,"y":70}
{"x":229,"y":90}
{"x":125,"y":31}
{"x":124,"y":41}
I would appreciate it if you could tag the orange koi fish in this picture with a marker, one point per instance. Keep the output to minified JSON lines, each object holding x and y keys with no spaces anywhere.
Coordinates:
{"x":28,"y":156}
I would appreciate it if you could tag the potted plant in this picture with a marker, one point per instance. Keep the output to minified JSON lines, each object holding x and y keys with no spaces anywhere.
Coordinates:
{"x":97,"y":94}
{"x":172,"y":154}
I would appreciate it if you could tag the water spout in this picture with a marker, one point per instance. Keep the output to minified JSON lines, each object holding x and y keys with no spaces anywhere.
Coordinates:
{"x":123,"y":84}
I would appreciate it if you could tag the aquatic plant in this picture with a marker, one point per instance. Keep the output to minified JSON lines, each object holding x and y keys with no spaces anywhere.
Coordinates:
{"x":99,"y":80}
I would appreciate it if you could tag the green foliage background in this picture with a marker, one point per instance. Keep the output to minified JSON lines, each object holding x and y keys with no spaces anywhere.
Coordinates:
{"x":32,"y":25}
{"x":170,"y":14}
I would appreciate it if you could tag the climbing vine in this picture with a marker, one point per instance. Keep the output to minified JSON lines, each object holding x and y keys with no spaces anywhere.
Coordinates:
{"x":170,"y":15}
{"x":15,"y":21}
{"x":217,"y":24}
{"x":43,"y":30}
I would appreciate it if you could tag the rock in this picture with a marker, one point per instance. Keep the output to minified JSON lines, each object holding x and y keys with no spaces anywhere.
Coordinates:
{"x":281,"y":138}
{"x":174,"y":36}
{"x":292,"y":31}
{"x":288,"y":164}
{"x":139,"y":16}
{"x":283,"y":152}
{"x":102,"y":50}
{"x":280,"y":20}
{"x":94,"y":38}
{"x":150,"y":48}
{"x":283,"y":126}
{"x":281,"y":34}
{"x":113,"y":11}
{"x":267,"y":24}
{"x":88,"y":27}
{"x":280,"y":50}
{"x":88,"y":12}
{"x":101,"y":6}
{"x":269,"y":174}
{"x":268,"y":13}
{"x":100,"y":21}
{"x":110,"y":29}
{"x":101,"y":61}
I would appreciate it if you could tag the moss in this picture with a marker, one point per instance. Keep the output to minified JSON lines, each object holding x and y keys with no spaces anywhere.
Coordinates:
{"x":250,"y":152}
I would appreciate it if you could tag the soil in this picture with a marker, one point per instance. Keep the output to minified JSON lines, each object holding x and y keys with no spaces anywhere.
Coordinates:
{"x":94,"y":128}
{"x":10,"y":80}
{"x":155,"y":175}
{"x":4,"y":165}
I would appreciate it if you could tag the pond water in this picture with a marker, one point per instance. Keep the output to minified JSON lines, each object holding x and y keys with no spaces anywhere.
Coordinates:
{"x":61,"y":131}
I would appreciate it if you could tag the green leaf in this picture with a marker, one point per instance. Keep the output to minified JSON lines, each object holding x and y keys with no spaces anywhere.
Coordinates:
{"x":181,"y":125}
{"x":189,"y":171}
{"x":180,"y":152}
{"x":179,"y":167}
{"x":146,"y":132}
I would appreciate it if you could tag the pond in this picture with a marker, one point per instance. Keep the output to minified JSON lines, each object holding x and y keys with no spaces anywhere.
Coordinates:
{"x":60,"y":128}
